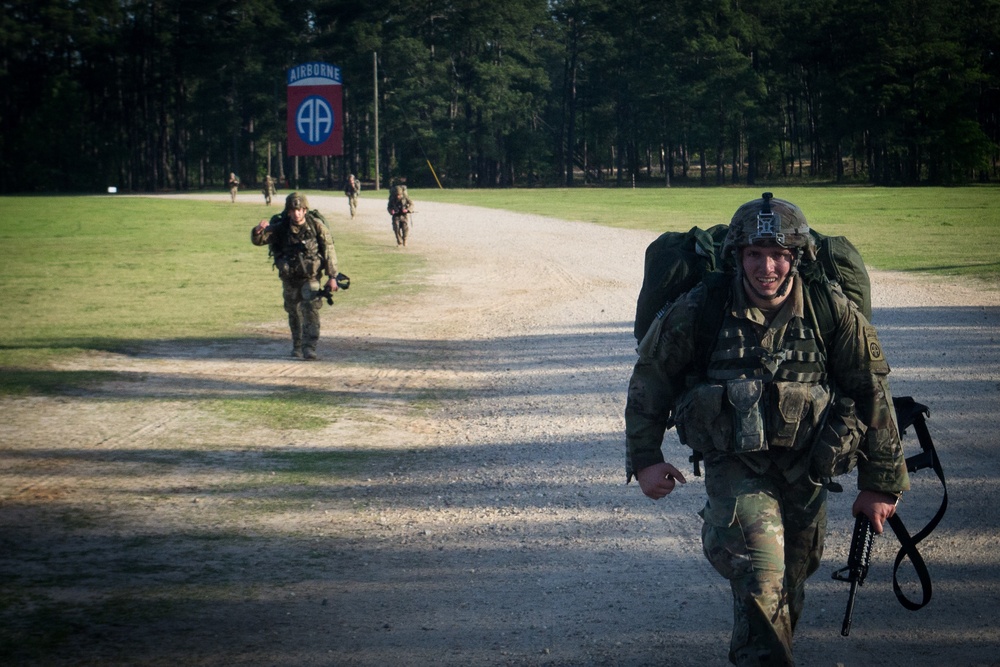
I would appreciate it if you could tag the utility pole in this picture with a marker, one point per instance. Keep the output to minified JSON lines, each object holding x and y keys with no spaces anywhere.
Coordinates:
{"x":375,"y":59}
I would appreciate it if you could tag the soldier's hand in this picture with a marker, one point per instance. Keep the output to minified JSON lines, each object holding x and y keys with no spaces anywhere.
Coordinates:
{"x":332,"y":285}
{"x":659,"y":480}
{"x":875,"y":505}
{"x":263,"y":225}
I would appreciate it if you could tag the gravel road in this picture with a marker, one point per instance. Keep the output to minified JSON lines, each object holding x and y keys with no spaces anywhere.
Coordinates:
{"x":468,"y":505}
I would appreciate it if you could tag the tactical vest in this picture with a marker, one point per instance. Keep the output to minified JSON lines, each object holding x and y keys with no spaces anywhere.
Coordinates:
{"x":297,"y":256}
{"x":748,"y":399}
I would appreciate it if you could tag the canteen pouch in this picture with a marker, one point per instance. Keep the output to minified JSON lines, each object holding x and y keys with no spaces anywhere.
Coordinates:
{"x":748,"y":425}
{"x":701,"y":422}
{"x":835,"y":451}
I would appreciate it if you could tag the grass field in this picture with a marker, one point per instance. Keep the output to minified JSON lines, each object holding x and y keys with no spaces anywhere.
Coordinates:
{"x":938,"y":230}
{"x":112,"y":272}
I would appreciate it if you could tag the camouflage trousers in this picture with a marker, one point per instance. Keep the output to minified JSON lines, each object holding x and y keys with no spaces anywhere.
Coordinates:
{"x":303,"y":312}
{"x":765,"y":535}
{"x":401,"y":227}
{"x":352,"y":203}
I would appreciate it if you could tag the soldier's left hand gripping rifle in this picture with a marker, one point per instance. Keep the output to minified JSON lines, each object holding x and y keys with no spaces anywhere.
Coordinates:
{"x":343,"y":282}
{"x":908,"y":413}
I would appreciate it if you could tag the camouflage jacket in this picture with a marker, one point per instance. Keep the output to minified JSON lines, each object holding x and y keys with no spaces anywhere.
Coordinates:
{"x":300,"y":253}
{"x":399,"y":204}
{"x":670,"y":369}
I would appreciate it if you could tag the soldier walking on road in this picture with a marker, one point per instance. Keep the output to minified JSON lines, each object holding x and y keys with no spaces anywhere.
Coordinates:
{"x":268,"y":189}
{"x":352,"y":188}
{"x":233,"y":183}
{"x":788,"y":389}
{"x":400,"y":207}
{"x":302,"y":249}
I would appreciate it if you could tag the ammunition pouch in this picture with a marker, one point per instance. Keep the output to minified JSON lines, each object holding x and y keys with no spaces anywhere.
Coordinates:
{"x":297,"y":267}
{"x":748,"y":423}
{"x":702,"y":423}
{"x":790,"y":424}
{"x":835,"y":451}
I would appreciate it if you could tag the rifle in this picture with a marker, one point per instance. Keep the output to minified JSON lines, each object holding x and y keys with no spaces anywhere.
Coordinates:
{"x":908,"y":413}
{"x":343,"y":282}
{"x":857,"y":565}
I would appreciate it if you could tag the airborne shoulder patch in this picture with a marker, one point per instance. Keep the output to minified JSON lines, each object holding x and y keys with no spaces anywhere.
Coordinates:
{"x":873,"y":348}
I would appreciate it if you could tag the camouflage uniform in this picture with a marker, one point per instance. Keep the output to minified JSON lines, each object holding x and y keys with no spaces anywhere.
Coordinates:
{"x":351,"y":188}
{"x":765,"y":517}
{"x":400,"y":207}
{"x":234,"y":185}
{"x":301,"y":254}
{"x":268,"y":189}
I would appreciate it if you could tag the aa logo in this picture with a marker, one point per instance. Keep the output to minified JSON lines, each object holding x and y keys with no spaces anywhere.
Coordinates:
{"x":874,"y":347}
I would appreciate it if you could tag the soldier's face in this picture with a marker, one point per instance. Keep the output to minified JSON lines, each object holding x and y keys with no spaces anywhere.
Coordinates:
{"x":297,"y":216}
{"x":765,"y":269}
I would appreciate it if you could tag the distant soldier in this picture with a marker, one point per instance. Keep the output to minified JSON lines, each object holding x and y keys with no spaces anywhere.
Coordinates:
{"x":352,"y":188}
{"x":400,"y":207}
{"x":234,"y":184}
{"x":268,"y":189}
{"x":302,"y":248}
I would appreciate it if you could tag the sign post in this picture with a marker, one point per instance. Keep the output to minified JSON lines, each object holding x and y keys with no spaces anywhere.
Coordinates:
{"x":315,"y":117}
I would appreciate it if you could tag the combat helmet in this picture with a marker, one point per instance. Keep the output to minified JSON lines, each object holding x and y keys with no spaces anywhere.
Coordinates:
{"x":768,"y":220}
{"x":296,"y":200}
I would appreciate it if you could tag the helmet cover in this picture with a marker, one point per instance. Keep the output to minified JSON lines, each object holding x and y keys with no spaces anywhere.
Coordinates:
{"x":296,"y":201}
{"x":768,"y":221}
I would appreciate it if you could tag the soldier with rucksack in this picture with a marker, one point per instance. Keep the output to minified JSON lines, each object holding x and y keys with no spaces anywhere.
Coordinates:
{"x":233,"y":183}
{"x":400,"y":207}
{"x":352,"y":188}
{"x":268,"y":189}
{"x":778,"y":382}
{"x":302,"y":249}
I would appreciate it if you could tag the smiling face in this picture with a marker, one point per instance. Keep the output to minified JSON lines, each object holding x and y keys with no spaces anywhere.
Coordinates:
{"x":766,"y":268}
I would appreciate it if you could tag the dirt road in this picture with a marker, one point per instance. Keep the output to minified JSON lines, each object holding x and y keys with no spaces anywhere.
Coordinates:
{"x":467,"y":505}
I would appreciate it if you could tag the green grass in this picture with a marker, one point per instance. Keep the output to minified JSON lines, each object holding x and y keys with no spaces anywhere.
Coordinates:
{"x":305,"y":410}
{"x":113,"y":273}
{"x":947,"y":231}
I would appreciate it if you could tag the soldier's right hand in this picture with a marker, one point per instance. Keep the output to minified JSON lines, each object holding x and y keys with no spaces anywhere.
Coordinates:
{"x":659,"y":480}
{"x":263,"y":225}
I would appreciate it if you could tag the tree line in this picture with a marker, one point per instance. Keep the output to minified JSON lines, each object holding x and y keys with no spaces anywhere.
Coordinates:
{"x":152,"y":95}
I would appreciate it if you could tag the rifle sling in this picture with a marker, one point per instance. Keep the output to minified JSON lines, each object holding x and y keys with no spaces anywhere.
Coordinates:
{"x":909,"y":412}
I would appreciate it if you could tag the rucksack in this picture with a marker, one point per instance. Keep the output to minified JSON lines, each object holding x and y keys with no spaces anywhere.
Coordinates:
{"x":678,"y":261}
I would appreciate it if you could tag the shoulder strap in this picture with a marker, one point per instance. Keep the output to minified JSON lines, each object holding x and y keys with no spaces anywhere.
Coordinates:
{"x":706,"y":332}
{"x":817,"y":292}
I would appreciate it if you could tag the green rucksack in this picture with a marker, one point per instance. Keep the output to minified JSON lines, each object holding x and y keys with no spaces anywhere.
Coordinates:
{"x":678,"y":261}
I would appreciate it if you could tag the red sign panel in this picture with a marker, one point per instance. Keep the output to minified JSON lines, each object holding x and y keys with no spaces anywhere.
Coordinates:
{"x":315,"y":117}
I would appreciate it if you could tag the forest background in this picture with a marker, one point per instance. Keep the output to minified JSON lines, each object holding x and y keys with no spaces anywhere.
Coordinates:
{"x":172,"y":95}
